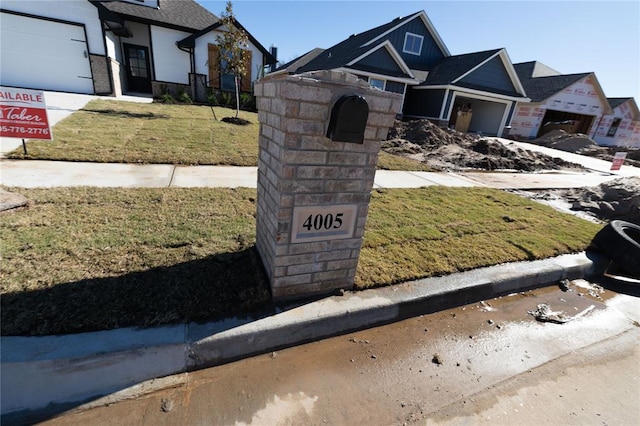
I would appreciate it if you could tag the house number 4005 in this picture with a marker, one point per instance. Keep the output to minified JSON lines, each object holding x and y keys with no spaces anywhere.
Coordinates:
{"x":327,"y":221}
{"x":323,"y":223}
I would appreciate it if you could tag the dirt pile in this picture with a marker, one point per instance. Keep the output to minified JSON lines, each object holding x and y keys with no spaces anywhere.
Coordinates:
{"x":616,"y":199}
{"x":577,"y":143}
{"x":446,"y":149}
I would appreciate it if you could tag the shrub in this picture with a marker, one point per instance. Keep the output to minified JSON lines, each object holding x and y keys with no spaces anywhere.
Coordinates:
{"x":167,"y":98}
{"x":226,"y":99}
{"x":212,"y":98}
{"x":247,"y":101}
{"x":184,"y":98}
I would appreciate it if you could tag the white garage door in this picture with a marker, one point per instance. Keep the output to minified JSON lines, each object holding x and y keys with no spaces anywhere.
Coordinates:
{"x":46,"y":55}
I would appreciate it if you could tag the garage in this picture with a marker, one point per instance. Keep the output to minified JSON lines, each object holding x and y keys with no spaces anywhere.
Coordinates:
{"x":568,"y":121}
{"x":44,"y":54}
{"x":477,"y":116}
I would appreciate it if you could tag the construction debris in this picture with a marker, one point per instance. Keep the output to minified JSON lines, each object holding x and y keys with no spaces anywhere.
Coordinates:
{"x":543,"y":313}
{"x":577,"y":143}
{"x":450,"y":150}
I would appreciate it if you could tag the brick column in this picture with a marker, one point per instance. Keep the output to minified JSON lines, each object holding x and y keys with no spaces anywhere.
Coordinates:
{"x":313,"y":193}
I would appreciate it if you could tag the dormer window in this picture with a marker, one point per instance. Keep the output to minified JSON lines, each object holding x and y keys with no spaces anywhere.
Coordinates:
{"x":412,"y":44}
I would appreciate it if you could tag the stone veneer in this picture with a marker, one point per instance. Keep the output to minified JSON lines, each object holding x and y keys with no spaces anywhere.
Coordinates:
{"x":298,"y":167}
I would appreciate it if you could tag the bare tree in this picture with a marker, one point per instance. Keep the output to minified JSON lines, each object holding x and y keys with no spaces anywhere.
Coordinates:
{"x":232,"y":44}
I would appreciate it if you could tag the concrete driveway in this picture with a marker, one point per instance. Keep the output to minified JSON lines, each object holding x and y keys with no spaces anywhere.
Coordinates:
{"x":61,"y":105}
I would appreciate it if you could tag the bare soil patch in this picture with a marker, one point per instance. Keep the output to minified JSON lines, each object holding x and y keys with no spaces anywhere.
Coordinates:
{"x":582,"y":144}
{"x":616,"y":199}
{"x":450,"y":150}
{"x":11,"y":201}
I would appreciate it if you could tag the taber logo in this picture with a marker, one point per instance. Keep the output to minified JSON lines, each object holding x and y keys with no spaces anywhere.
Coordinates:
{"x":23,"y":114}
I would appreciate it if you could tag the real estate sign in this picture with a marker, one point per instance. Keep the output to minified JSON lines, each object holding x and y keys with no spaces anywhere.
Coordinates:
{"x":618,"y":160}
{"x":23,"y":114}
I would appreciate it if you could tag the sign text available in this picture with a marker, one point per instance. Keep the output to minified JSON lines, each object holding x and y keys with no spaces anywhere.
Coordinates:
{"x":23,"y":114}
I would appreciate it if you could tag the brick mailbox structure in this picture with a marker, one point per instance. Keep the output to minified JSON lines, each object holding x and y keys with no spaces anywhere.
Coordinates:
{"x":313,"y":189}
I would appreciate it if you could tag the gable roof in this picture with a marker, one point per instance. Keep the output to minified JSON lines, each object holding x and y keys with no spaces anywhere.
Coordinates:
{"x":455,"y":70}
{"x":401,"y":21}
{"x":453,"y":67}
{"x":184,"y":15}
{"x":360,"y":45}
{"x":300,"y":61}
{"x":534,"y":69}
{"x":616,"y":102}
{"x":190,"y":41}
{"x":401,"y":69}
{"x":541,"y":88}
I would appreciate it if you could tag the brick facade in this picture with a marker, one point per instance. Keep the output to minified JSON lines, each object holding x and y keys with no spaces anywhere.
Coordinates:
{"x":299,"y":167}
{"x":101,"y":75}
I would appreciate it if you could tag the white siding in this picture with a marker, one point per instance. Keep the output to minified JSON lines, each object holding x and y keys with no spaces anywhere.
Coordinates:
{"x":580,"y":98}
{"x":202,"y":55}
{"x":628,"y":133}
{"x":79,"y":11}
{"x":140,"y":34}
{"x":171,"y":64}
{"x":113,"y":51}
{"x":526,"y":120}
{"x":45,"y":55}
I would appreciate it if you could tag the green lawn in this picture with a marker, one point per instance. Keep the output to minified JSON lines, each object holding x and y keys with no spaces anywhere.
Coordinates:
{"x":83,"y":259}
{"x":107,"y":131}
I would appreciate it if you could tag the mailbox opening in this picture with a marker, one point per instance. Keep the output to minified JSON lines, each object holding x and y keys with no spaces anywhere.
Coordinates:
{"x":348,"y":119}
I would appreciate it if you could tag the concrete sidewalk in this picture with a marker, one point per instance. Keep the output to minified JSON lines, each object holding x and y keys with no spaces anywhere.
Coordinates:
{"x":46,"y":174}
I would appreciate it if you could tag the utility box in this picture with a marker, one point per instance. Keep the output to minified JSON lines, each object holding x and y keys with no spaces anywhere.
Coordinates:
{"x":320,"y":135}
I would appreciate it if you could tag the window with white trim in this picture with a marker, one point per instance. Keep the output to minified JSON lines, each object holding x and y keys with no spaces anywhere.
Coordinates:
{"x":377,"y":83}
{"x":412,"y":43}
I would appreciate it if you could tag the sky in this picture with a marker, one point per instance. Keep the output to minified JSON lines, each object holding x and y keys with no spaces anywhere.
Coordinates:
{"x":568,"y":36}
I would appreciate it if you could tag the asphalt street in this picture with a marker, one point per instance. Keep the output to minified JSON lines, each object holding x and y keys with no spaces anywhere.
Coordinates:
{"x":490,"y":362}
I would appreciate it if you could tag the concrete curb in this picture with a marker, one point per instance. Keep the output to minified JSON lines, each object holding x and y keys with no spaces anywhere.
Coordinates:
{"x":42,"y":376}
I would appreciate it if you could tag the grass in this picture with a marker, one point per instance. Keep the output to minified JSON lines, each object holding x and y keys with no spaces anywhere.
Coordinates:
{"x":84,"y":259}
{"x":107,"y":131}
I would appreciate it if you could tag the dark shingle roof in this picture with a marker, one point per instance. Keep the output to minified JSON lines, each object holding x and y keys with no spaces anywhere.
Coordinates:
{"x":344,"y":52}
{"x":302,"y":60}
{"x":450,"y":68}
{"x":541,"y":88}
{"x":178,"y":14}
{"x":525,"y":69}
{"x":533,"y":69}
{"x":616,"y":102}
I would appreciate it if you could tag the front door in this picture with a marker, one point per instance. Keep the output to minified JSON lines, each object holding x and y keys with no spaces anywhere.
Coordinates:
{"x":138,"y":69}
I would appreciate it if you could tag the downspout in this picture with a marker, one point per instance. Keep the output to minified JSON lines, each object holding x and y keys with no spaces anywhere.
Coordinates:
{"x":193,"y":83}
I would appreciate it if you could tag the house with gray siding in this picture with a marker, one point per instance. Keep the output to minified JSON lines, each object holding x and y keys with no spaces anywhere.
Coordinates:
{"x":476,"y":92}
